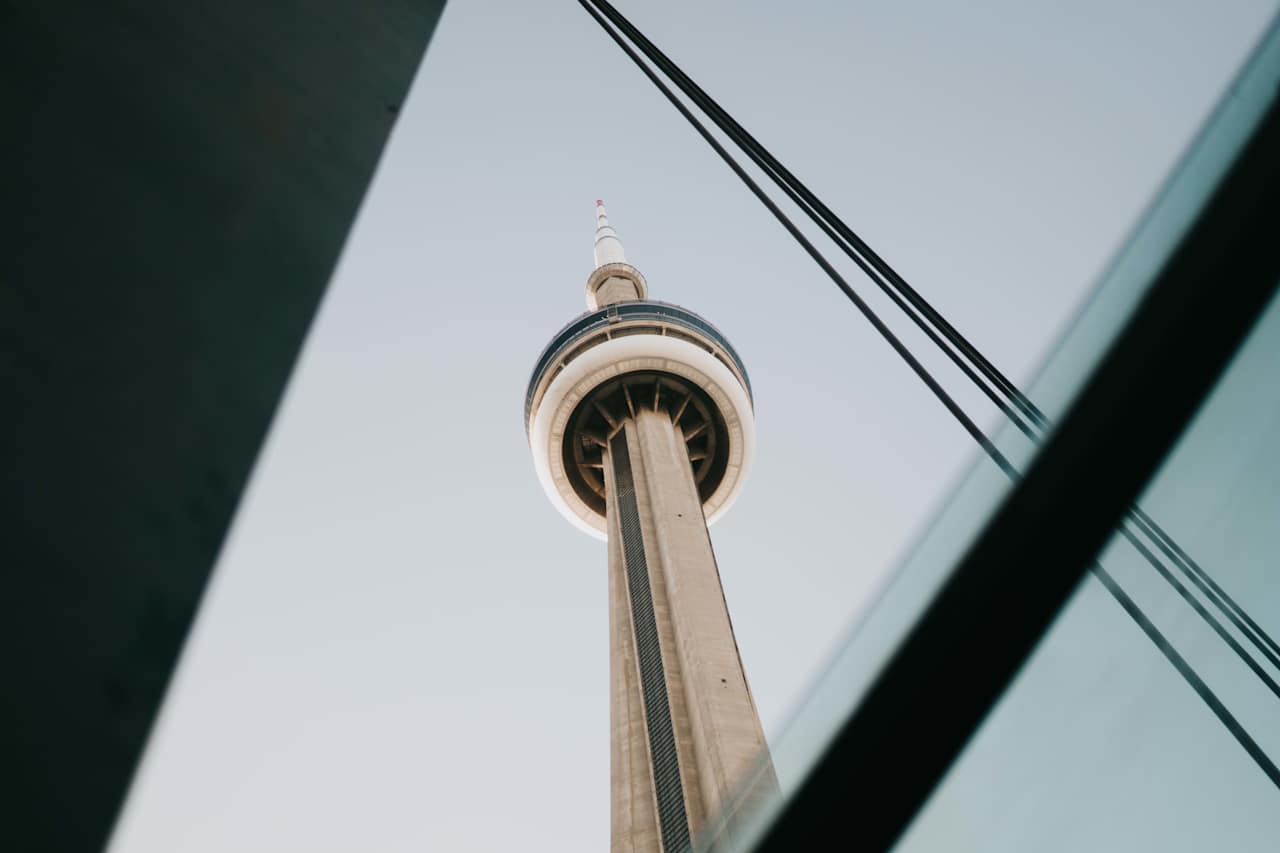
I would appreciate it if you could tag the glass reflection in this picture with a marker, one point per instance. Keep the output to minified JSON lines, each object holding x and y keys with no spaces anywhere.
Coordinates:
{"x":1099,"y":744}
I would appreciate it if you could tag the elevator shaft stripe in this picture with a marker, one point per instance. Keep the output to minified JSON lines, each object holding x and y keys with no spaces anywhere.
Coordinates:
{"x":673,"y":821}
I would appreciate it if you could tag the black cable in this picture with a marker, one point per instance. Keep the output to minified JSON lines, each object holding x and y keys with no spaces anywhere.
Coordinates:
{"x":1001,"y":461}
{"x":919,"y":369}
{"x":1199,"y":608}
{"x":892,"y":284}
{"x":900,"y":292}
{"x":1189,"y":675}
{"x":1202,"y":579}
{"x":851,"y":243}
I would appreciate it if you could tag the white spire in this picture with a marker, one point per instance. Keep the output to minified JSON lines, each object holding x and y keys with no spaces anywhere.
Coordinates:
{"x":614,"y":280}
{"x":608,"y":246}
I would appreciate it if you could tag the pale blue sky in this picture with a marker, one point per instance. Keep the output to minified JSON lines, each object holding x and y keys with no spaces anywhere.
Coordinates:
{"x":404,"y":645}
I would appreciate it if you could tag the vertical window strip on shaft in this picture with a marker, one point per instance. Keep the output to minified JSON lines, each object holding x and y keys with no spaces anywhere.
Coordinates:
{"x":673,"y":821}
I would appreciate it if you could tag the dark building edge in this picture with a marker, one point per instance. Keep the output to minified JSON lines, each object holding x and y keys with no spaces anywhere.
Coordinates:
{"x":939,"y":684}
{"x":181,"y":179}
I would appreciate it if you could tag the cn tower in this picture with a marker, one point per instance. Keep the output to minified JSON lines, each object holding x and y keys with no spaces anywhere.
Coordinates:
{"x":639,"y":415}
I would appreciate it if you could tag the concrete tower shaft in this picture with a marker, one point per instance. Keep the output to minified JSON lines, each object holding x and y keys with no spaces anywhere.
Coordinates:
{"x":686,"y":740}
{"x":640,"y":422}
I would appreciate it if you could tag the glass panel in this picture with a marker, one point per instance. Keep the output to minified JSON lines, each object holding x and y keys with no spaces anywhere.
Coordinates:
{"x":906,"y":594}
{"x":1100,"y":744}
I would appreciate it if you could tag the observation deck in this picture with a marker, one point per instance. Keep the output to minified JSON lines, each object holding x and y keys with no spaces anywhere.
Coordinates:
{"x":609,"y":363}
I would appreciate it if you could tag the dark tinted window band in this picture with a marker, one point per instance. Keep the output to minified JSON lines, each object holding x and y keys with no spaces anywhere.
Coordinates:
{"x":673,"y":822}
{"x":660,"y":312}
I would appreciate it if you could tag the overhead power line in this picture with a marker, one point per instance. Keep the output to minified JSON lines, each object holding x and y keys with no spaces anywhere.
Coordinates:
{"x":1024,"y":414}
{"x":880,"y":326}
{"x":997,"y":387}
{"x":1019,"y":409}
{"x":1228,"y":720}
